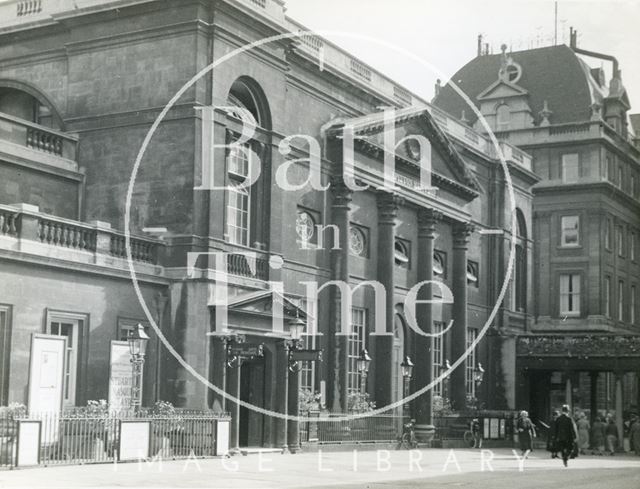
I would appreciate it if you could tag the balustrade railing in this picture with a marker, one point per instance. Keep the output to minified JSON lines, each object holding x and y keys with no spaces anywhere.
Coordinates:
{"x":370,"y":429}
{"x":248,"y":266}
{"x":34,"y":136}
{"x":28,"y":7}
{"x":141,"y":250}
{"x":9,"y":222}
{"x":65,"y":234}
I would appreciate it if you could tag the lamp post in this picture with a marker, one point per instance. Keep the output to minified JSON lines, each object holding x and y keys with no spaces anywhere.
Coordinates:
{"x":363,"y":362}
{"x":234,"y":361}
{"x":137,"y":340}
{"x":291,"y":428}
{"x":407,"y":373}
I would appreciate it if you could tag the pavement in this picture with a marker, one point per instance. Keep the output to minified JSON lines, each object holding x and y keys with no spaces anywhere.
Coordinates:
{"x":397,"y":469}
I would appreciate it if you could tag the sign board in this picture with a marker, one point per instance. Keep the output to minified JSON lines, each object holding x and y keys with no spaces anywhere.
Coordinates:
{"x":135,"y":439}
{"x":494,"y":429}
{"x":28,"y":449}
{"x":46,"y":373}
{"x":222,"y":437}
{"x":306,"y":355}
{"x":120,"y":375}
{"x":246,"y":350}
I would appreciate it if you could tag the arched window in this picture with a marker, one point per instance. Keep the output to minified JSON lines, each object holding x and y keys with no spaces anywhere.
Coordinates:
{"x":503,"y":115}
{"x":246,"y":213}
{"x":24,"y":104}
{"x":519,"y":289}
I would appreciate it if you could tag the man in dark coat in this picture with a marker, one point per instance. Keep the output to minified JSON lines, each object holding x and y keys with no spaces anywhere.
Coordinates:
{"x":565,"y":434}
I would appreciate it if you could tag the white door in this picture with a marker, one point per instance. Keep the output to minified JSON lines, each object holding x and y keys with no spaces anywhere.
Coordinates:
{"x":46,"y":373}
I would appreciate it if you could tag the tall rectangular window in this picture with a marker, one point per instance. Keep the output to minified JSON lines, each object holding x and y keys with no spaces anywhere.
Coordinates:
{"x":307,"y":369}
{"x":632,"y":185}
{"x":632,"y":305}
{"x":620,"y":182}
{"x":620,"y":240}
{"x":5,"y":352}
{"x":238,"y":198}
{"x":438,"y":355}
{"x":607,"y":297}
{"x":570,"y":232}
{"x":607,"y":234}
{"x":632,"y":246}
{"x":470,"y":363}
{"x":570,"y":168}
{"x":70,"y":326}
{"x":620,"y":300}
{"x":570,"y":294}
{"x":356,"y":343}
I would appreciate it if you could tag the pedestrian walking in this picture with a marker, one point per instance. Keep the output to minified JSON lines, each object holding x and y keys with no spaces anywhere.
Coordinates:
{"x":634,"y":435}
{"x":551,"y":442}
{"x":611,"y":432}
{"x":526,"y":433}
{"x":598,"y":435}
{"x":583,"y":433}
{"x":565,"y":434}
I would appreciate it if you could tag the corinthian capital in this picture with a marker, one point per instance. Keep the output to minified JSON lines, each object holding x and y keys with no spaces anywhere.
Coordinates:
{"x":461,"y":233}
{"x":388,"y":204}
{"x":342,"y":194}
{"x":427,"y":220}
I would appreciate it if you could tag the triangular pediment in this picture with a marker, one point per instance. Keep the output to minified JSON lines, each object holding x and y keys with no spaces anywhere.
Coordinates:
{"x":502,"y":89}
{"x":448,"y":166}
{"x":262,"y":303}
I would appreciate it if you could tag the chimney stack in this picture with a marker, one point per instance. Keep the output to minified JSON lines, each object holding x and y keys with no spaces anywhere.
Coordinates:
{"x":479,"y":44}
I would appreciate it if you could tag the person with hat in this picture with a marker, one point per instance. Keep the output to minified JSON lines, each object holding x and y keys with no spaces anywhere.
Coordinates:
{"x":565,"y":434}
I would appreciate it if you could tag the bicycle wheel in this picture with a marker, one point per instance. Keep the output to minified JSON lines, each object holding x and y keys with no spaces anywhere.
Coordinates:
{"x":405,"y":442}
{"x":469,"y":439}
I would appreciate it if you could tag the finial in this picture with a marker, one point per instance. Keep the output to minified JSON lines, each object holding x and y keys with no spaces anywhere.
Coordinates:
{"x":545,"y":113}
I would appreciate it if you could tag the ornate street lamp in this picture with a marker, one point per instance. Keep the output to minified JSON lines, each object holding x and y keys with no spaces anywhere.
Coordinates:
{"x":137,"y":340}
{"x":362,"y":364}
{"x":478,"y":374}
{"x":291,"y":428}
{"x":407,"y":372}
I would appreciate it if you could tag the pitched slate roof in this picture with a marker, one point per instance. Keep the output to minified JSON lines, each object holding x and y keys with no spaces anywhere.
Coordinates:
{"x":554,"y":73}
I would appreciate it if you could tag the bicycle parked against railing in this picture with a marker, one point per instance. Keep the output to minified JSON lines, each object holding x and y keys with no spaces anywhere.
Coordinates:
{"x":472,"y":436}
{"x":408,"y":439}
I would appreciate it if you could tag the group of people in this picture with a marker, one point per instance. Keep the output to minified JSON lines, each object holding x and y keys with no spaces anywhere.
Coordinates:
{"x":603,"y":436}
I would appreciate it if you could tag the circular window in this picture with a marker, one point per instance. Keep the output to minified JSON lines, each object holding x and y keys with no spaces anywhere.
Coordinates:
{"x":514,"y":72}
{"x":305,"y":226}
{"x":357,"y":242}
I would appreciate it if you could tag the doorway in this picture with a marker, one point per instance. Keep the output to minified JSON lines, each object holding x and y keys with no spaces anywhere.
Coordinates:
{"x":252,"y":391}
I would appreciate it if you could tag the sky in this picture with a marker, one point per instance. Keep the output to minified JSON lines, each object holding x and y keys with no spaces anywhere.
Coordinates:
{"x":444,"y":33}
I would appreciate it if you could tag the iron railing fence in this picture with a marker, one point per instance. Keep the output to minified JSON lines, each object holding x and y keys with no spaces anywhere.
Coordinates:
{"x":370,"y":429}
{"x":77,"y":437}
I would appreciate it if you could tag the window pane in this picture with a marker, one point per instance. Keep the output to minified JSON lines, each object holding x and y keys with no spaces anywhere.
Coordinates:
{"x":570,"y":230}
{"x":570,"y":168}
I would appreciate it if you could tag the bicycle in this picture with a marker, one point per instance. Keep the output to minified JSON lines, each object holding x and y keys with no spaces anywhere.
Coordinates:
{"x":408,"y":439}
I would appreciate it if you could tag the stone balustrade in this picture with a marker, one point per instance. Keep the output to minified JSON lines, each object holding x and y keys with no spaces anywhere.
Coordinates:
{"x":579,"y":346}
{"x":40,"y":138}
{"x":71,"y":240}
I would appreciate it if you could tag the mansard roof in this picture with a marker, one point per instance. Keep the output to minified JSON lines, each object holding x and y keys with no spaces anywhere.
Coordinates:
{"x":554,"y":73}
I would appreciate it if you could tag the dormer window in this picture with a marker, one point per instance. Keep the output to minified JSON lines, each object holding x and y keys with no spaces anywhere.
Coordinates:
{"x":503,"y":115}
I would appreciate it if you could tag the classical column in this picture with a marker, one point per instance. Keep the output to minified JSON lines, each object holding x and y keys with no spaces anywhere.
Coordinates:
{"x":388,"y":204}
{"x":423,"y":352}
{"x":593,"y":404}
{"x":234,"y":389}
{"x":218,"y":372}
{"x":337,"y":367}
{"x":619,"y":407}
{"x":461,"y":234}
{"x":568,"y":391}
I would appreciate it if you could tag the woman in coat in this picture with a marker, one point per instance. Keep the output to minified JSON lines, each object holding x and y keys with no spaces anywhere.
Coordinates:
{"x":611,"y":432}
{"x":526,"y":433}
{"x":583,"y":433}
{"x":598,"y":435}
{"x":634,"y":434}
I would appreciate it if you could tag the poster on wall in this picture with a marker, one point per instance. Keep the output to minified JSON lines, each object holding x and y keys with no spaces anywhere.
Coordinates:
{"x":120,"y":374}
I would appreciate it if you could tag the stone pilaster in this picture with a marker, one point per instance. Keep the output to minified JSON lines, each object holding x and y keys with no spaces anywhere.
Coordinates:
{"x":461,"y":234}
{"x":423,"y":346}
{"x":388,"y":205}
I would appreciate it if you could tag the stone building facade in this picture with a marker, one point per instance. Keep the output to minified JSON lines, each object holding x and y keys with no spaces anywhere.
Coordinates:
{"x":574,"y":123}
{"x":80,"y":90}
